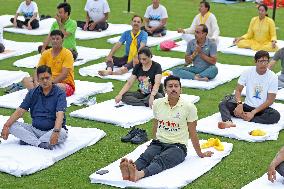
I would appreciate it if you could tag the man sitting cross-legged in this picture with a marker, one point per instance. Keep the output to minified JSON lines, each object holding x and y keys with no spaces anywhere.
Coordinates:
{"x":174,"y":119}
{"x":47,"y":104}
{"x":96,"y":16}
{"x":204,"y":17}
{"x":135,"y":39}
{"x":155,"y":17}
{"x":61,"y":61}
{"x":261,"y":89}
{"x":201,"y":52}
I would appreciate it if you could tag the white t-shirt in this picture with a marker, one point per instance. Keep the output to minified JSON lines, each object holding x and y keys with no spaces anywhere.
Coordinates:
{"x":28,"y":10}
{"x":155,"y":15}
{"x":96,"y":9}
{"x":258,"y":86}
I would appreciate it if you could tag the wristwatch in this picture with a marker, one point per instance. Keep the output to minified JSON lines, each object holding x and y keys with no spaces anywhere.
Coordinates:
{"x":56,"y":130}
{"x":239,"y":102}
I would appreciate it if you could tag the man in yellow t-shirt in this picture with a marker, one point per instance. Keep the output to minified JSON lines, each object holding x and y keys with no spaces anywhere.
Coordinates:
{"x":61,"y":61}
{"x":174,"y":119}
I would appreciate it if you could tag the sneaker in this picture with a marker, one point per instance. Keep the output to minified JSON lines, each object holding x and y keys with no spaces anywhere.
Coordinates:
{"x":130,"y":135}
{"x":140,"y":137}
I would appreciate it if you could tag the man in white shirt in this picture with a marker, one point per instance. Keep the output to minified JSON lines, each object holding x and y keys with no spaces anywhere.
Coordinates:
{"x":261,"y":89}
{"x":29,"y":10}
{"x":96,"y":16}
{"x":204,"y":17}
{"x":2,"y":47}
{"x":155,"y":17}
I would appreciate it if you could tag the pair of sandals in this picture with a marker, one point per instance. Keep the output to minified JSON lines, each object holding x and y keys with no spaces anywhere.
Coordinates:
{"x":14,"y":87}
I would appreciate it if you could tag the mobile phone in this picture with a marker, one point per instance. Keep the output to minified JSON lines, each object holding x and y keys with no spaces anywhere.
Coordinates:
{"x":119,"y":105}
{"x":102,"y":172}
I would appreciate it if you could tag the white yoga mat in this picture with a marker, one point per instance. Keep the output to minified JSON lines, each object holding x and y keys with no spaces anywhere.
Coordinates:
{"x":264,"y":183}
{"x":226,"y":73}
{"x":224,"y":42}
{"x":113,"y":29}
{"x":83,"y":90}
{"x":176,"y":177}
{"x":44,"y":28}
{"x":120,"y":115}
{"x":13,"y":48}
{"x":85,"y":54}
{"x":165,"y":62}
{"x":241,"y":131}
{"x":19,"y":160}
{"x":9,"y":77}
{"x":5,"y":20}
{"x":152,"y":41}
{"x":247,"y":52}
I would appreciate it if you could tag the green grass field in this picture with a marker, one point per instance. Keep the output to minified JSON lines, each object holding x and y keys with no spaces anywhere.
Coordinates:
{"x":246,"y":162}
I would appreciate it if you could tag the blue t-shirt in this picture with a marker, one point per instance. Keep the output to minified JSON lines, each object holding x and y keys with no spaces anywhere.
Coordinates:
{"x":43,"y":108}
{"x":209,"y":48}
{"x":126,"y":38}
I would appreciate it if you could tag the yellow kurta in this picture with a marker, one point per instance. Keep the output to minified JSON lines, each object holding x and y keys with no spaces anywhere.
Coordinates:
{"x":259,"y":36}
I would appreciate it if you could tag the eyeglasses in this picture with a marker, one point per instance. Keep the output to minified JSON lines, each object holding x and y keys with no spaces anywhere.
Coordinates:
{"x":263,"y":61}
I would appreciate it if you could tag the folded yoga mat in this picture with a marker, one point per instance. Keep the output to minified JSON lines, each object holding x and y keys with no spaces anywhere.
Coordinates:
{"x":13,"y":48}
{"x":247,"y":52}
{"x":113,"y":29}
{"x":108,"y":112}
{"x":226,"y":73}
{"x":44,"y":28}
{"x":19,"y":160}
{"x":84,"y":89}
{"x":9,"y":77}
{"x":5,"y":20}
{"x":165,"y":62}
{"x":176,"y":177}
{"x":224,"y":42}
{"x":264,"y":183}
{"x":242,"y":129}
{"x":85,"y":54}
{"x":152,"y":41}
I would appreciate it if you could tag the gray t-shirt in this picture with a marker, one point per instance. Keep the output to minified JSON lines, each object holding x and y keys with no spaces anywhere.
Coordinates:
{"x":279,"y":55}
{"x":209,"y":48}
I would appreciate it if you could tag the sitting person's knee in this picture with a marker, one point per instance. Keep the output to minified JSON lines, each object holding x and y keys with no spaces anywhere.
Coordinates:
{"x":280,"y":169}
{"x":2,"y":48}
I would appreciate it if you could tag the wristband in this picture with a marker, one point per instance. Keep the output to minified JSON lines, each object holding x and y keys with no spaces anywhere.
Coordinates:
{"x":56,"y":130}
{"x":239,"y":102}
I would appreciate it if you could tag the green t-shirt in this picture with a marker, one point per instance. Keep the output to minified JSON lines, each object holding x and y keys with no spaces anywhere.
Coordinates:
{"x":70,"y":26}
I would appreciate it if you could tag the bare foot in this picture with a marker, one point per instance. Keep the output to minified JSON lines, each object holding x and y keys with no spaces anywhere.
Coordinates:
{"x":124,"y":169}
{"x":133,"y":172}
{"x":105,"y":72}
{"x":198,"y":78}
{"x":227,"y":124}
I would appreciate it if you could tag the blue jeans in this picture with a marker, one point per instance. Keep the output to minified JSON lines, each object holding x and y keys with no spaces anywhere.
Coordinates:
{"x":160,"y":156}
{"x":190,"y":72}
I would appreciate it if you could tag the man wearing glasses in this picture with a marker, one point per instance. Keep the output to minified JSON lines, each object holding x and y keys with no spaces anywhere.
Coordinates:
{"x":261,"y":89}
{"x":201,"y":52}
{"x":46,"y":104}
